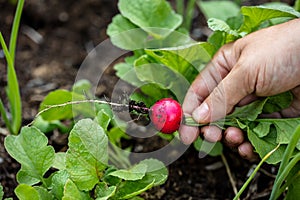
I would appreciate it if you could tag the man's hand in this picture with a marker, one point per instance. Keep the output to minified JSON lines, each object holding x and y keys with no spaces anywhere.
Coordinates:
{"x":263,"y":63}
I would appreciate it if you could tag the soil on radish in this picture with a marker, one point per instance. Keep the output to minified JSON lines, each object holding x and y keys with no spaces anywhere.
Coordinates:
{"x":70,"y":29}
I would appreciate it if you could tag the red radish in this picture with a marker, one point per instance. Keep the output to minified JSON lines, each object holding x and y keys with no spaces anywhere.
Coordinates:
{"x":166,"y":115}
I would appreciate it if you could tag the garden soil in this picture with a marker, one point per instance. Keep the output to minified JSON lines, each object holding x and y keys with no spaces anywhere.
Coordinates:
{"x":55,"y":37}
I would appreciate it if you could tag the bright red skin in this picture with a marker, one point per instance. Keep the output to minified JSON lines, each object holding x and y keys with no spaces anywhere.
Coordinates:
{"x":166,"y":115}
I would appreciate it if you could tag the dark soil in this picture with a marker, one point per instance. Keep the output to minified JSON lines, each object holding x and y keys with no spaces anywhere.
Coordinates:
{"x":69,"y":30}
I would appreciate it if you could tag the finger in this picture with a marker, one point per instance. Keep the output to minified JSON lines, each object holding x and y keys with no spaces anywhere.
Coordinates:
{"x":212,"y":133}
{"x":233,"y":136}
{"x":231,"y":90}
{"x":188,"y":134}
{"x":246,"y":151}
{"x":207,"y":80}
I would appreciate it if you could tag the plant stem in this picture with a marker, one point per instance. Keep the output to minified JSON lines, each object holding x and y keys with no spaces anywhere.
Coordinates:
{"x":189,"y":121}
{"x":297,"y":5}
{"x":189,"y":14}
{"x":180,"y":7}
{"x":282,"y":176}
{"x":117,"y":158}
{"x":237,"y":196}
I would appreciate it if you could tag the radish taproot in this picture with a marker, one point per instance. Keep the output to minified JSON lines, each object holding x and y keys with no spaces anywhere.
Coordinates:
{"x":166,"y":115}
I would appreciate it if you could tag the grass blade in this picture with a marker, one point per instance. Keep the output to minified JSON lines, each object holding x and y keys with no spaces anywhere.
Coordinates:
{"x":15,"y":30}
{"x":12,"y":90}
{"x":285,"y":163}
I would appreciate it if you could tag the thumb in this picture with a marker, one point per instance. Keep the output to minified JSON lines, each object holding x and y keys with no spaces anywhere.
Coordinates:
{"x":233,"y":88}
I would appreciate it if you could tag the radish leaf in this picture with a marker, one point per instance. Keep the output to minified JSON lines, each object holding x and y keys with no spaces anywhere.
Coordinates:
{"x":30,"y":149}
{"x":155,"y":17}
{"x":218,"y":9}
{"x":121,"y":32}
{"x":137,"y":172}
{"x":104,"y":192}
{"x":255,"y":15}
{"x":87,"y":156}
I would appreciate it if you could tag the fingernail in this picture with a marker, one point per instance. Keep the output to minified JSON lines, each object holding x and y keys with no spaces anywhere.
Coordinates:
{"x":201,"y":113}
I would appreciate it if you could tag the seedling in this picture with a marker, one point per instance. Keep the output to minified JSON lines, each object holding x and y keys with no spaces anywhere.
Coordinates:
{"x":12,"y":123}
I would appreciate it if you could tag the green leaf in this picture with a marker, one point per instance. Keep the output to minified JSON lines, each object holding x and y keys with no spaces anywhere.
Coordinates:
{"x":163,"y":76}
{"x":48,"y":126}
{"x":83,"y":87}
{"x":220,"y":25}
{"x":127,"y":72}
{"x":53,"y":98}
{"x":1,"y":192}
{"x":219,"y":9}
{"x":266,"y":144}
{"x":111,"y":180}
{"x":59,"y":161}
{"x":12,"y":89}
{"x":278,"y":102}
{"x":137,"y":172}
{"x":217,"y":39}
{"x":129,"y":189}
{"x":294,"y":189}
{"x":30,"y":149}
{"x":103,"y":119}
{"x":26,"y":192}
{"x":60,"y":97}
{"x":188,"y":59}
{"x":157,"y":170}
{"x":269,"y":104}
{"x":43,"y":193}
{"x":104,"y":192}
{"x":255,"y":15}
{"x":149,"y":94}
{"x":27,"y":178}
{"x":282,"y":128}
{"x":248,"y":112}
{"x":285,"y":128}
{"x":262,"y":129}
{"x":71,"y":192}
{"x":87,"y":155}
{"x":125,"y":35}
{"x":156,"y":17}
{"x":59,"y":180}
{"x":115,"y":135}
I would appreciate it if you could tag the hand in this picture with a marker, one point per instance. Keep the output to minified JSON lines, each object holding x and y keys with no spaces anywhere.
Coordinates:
{"x":263,"y":63}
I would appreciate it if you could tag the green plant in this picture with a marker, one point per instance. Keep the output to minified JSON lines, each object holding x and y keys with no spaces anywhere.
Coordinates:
{"x":94,"y":165}
{"x":163,"y":65}
{"x":288,"y":176}
{"x":83,"y":171}
{"x":13,"y":123}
